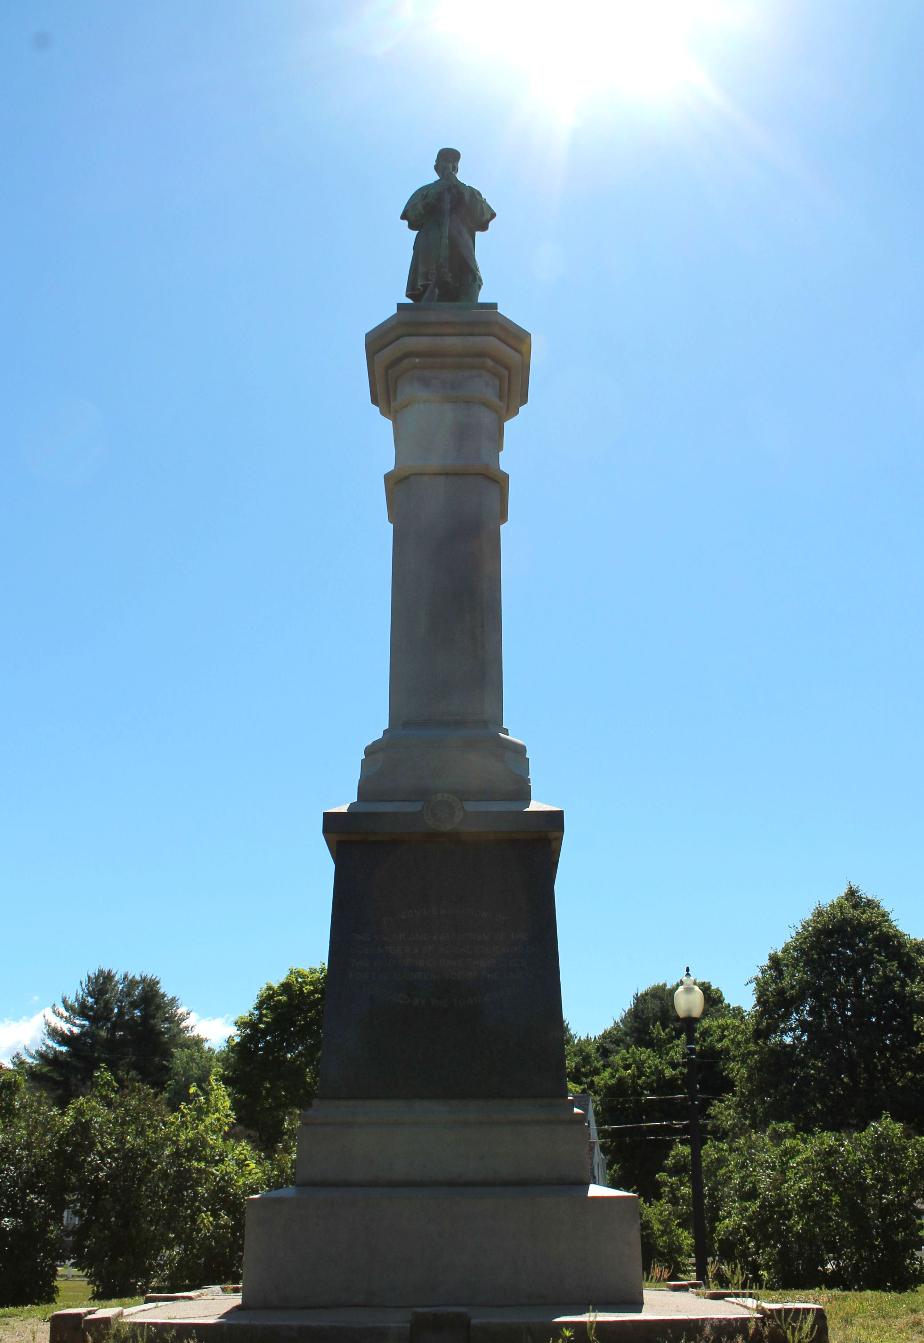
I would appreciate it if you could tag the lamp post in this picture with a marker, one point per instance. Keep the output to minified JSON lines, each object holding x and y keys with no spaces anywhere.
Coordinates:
{"x":688,"y":1004}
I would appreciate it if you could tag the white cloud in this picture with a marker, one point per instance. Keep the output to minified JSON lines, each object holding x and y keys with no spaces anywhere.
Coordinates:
{"x":214,"y":1030}
{"x":15,"y":1036}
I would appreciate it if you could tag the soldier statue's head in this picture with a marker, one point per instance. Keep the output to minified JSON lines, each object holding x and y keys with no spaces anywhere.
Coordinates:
{"x":447,"y":160}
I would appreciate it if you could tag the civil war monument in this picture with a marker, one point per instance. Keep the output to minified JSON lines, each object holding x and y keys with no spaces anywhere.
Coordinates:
{"x":443,"y":1189}
{"x":443,"y":1162}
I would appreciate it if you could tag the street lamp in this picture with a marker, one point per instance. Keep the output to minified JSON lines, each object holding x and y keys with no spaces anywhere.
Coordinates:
{"x":688,"y":1004}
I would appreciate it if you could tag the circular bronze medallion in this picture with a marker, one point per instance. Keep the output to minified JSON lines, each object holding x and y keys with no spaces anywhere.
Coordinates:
{"x":443,"y":811}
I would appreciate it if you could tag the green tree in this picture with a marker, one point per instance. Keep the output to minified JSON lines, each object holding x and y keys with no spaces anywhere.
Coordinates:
{"x":118,"y":1154}
{"x":192,"y":1064}
{"x":271,"y":1061}
{"x":122,"y":1022}
{"x":582,"y":1061}
{"x":636,"y":1088}
{"x":159,"y":1194}
{"x":32,"y":1188}
{"x":635,"y":1072}
{"x":837,"y":1028}
{"x":652,"y":1009}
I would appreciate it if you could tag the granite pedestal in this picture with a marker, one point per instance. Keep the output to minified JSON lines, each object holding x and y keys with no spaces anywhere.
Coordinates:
{"x":443,"y":977}
{"x":442,"y":1160}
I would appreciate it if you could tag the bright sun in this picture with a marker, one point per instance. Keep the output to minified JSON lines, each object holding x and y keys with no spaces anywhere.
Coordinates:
{"x":570,"y":54}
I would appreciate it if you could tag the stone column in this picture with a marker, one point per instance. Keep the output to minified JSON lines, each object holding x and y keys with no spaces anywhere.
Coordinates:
{"x":443,"y":1161}
{"x":448,"y":377}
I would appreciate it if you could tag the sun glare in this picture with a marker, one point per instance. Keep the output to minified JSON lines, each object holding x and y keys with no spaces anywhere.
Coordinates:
{"x":570,"y":55}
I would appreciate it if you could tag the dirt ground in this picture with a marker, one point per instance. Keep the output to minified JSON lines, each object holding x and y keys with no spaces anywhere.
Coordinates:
{"x":23,"y":1331}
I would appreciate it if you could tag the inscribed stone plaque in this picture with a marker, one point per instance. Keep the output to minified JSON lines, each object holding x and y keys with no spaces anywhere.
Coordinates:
{"x":443,"y":977}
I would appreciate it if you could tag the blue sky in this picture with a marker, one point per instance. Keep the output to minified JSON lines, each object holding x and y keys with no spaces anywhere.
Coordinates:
{"x":713,"y":564}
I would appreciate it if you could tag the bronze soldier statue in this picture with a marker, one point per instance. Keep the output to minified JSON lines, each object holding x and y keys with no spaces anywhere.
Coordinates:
{"x":446,"y":215}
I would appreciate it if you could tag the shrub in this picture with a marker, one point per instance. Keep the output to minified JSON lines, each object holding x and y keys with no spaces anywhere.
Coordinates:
{"x":119,"y":1151}
{"x":806,"y":1209}
{"x":665,"y":1240}
{"x":832,"y":1208}
{"x":210,"y":1177}
{"x":31,"y":1194}
{"x":160,"y":1195}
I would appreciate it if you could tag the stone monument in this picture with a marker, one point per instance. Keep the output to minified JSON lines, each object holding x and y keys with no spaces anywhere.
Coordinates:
{"x":443,"y":1162}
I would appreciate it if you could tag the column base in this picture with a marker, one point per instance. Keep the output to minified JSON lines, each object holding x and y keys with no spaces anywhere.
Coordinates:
{"x":409,"y":765}
{"x":311,"y":1246}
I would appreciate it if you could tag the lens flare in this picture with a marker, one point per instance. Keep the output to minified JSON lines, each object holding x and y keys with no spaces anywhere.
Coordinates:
{"x":569,"y":56}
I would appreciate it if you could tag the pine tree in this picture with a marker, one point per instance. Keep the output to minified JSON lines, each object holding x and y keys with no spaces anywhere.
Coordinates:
{"x":123,"y":1022}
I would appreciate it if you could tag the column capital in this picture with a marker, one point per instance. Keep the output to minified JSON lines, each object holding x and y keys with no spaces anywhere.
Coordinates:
{"x":473,"y":335}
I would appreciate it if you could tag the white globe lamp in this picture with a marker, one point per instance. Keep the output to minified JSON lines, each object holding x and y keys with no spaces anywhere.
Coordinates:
{"x":688,"y":999}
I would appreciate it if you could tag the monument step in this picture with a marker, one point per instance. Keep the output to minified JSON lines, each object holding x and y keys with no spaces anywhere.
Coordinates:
{"x":381,"y":1142}
{"x":663,"y":1318}
{"x":309,"y":1246}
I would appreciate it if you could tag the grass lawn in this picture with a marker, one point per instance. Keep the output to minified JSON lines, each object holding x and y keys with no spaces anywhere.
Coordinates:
{"x":29,"y":1324}
{"x":866,"y":1317}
